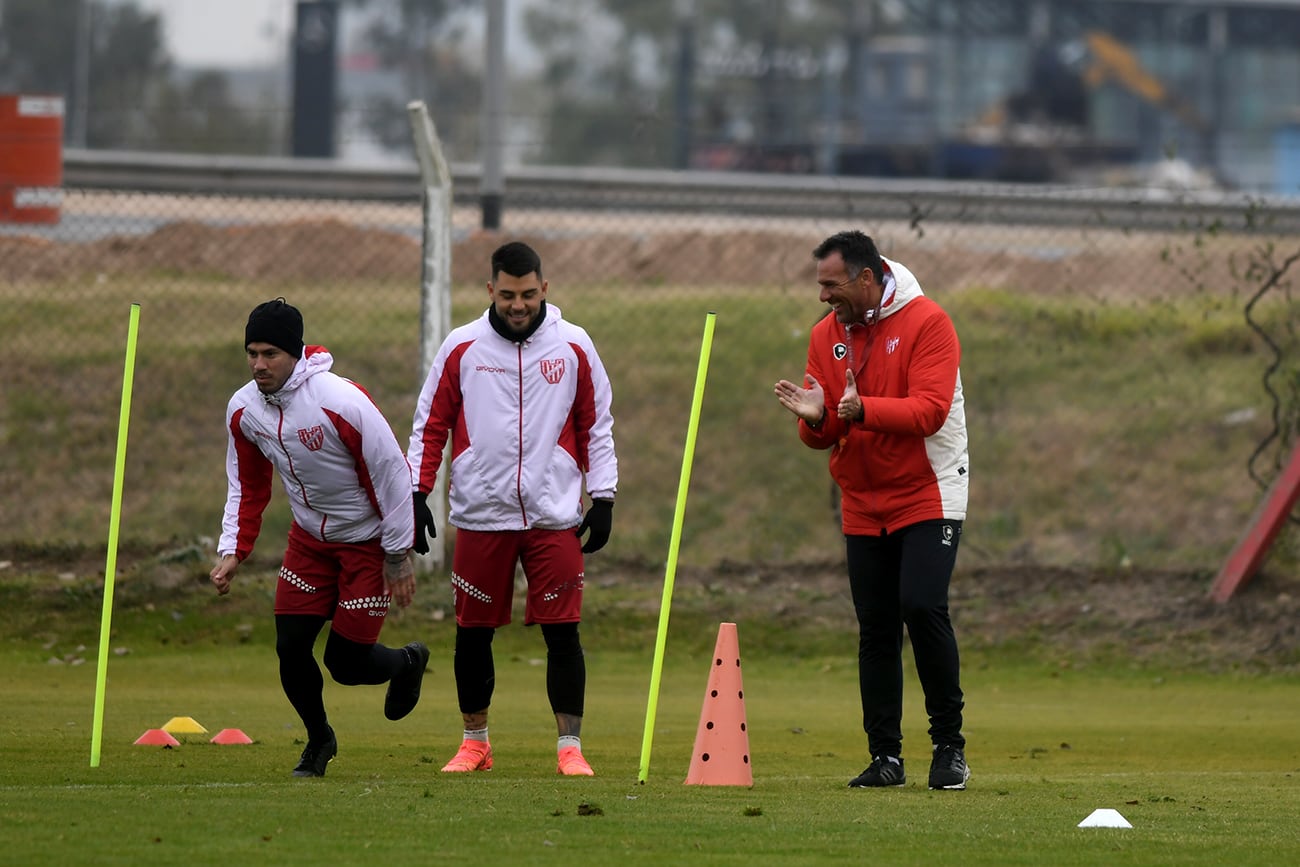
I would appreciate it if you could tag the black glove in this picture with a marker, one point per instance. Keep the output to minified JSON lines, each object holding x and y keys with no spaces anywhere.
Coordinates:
{"x":598,"y":519}
{"x":423,"y":522}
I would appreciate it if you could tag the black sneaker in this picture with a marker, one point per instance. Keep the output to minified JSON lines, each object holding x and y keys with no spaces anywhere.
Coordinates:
{"x":315,"y":756}
{"x":884,"y":771}
{"x":404,"y":689}
{"x":948,"y":768}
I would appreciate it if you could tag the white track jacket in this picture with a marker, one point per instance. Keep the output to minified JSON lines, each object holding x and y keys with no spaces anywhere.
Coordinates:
{"x":526,"y":420}
{"x":336,"y":454}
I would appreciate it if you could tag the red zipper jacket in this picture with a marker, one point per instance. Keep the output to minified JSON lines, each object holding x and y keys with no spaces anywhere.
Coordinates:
{"x":906,"y":460}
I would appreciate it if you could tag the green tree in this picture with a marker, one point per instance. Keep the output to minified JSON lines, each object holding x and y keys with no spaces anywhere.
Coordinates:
{"x":602,"y":107}
{"x":622,"y":92}
{"x":199,"y":116}
{"x":422,"y":41}
{"x":37,"y":41}
{"x":124,"y":54}
{"x":134,"y":100}
{"x":128,"y":68}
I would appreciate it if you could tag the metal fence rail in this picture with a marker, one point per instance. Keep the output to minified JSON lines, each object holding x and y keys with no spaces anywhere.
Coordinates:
{"x":597,"y":189}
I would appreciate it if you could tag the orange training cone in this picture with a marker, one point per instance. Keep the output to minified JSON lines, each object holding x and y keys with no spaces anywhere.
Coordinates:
{"x":157,"y":738}
{"x":721,"y":754}
{"x":231,"y":736}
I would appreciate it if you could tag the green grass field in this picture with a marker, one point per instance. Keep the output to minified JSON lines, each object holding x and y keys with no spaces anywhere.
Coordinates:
{"x":1205,"y":767}
{"x":1109,"y":434}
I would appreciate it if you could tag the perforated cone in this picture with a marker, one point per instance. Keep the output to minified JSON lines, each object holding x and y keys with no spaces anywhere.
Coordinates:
{"x":157,"y":738}
{"x":721,"y":753}
{"x":231,"y":736}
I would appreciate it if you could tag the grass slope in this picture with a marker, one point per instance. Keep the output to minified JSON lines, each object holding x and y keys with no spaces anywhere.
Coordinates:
{"x":1102,"y":433}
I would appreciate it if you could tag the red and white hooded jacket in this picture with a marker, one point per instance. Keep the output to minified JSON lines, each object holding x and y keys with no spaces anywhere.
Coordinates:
{"x":341,"y":465}
{"x":906,"y":460}
{"x":527,"y":421}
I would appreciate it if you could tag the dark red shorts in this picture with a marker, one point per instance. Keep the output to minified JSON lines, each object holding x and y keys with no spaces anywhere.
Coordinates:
{"x":340,"y":581}
{"x":483,"y":576}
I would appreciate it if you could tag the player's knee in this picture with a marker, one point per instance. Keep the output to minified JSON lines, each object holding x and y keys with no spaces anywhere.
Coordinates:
{"x":346,"y":661}
{"x":295,"y":636}
{"x":288,"y":648}
{"x":474,"y":639}
{"x":562,"y":639}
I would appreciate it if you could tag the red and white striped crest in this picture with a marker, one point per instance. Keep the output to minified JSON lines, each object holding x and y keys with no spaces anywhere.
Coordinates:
{"x":552,"y":369}
{"x":313,"y":437}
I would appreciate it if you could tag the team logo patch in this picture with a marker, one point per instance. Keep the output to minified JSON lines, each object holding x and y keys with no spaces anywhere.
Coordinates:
{"x":840,"y":351}
{"x":313,"y":437}
{"x":552,"y":369}
{"x":947,"y":534}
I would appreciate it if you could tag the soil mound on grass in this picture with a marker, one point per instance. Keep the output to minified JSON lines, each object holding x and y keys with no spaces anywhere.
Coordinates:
{"x":1058,"y":616}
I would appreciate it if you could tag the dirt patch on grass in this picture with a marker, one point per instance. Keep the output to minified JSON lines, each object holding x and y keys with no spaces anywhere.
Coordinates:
{"x":1056,"y":616}
{"x":1062,"y":616}
{"x":1101,"y":263}
{"x":299,"y":250}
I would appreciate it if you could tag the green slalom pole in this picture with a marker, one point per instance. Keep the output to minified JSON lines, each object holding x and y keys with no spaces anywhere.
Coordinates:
{"x":671,"y":571}
{"x":114,"y":520}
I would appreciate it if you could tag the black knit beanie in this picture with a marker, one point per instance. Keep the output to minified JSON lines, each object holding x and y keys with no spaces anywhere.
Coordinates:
{"x":278,"y":323}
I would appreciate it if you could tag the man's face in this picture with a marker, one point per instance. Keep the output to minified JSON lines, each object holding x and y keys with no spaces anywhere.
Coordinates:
{"x":849,"y":297}
{"x":517,"y":299}
{"x":270,"y":366}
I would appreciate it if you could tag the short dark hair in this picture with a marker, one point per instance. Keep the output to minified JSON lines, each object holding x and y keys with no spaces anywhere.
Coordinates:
{"x":516,"y":259}
{"x":856,"y":249}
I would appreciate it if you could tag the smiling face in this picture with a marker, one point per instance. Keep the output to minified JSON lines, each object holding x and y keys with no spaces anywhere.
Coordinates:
{"x":517,"y":299}
{"x":270,"y":365}
{"x":849,"y":297}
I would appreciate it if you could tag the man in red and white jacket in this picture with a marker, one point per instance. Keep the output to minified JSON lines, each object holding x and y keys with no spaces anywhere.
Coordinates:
{"x":525,"y":400}
{"x":882,"y":390}
{"x":348,"y":552}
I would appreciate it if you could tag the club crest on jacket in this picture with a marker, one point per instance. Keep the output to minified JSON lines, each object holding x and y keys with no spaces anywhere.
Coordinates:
{"x":552,"y":369}
{"x":313,"y":437}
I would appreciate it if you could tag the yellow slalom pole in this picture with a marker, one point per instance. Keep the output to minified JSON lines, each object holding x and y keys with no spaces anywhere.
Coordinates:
{"x":114,"y":520}
{"x":670,"y":572}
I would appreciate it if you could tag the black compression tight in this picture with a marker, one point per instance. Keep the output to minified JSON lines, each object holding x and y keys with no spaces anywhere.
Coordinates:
{"x":349,"y":662}
{"x":295,"y":636}
{"x":474,"y":667}
{"x":566,"y":668}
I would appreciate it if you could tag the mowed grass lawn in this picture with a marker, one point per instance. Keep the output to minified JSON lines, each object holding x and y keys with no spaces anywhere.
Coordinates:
{"x":1205,"y":767}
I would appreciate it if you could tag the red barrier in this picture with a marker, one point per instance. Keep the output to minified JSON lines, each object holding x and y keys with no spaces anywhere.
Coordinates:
{"x":1243,"y":562}
{"x":31,"y":158}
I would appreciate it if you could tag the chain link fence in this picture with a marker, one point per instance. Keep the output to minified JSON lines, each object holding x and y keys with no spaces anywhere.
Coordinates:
{"x":1130,"y":391}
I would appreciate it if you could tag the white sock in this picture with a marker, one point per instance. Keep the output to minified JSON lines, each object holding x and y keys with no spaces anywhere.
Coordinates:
{"x":477,"y":735}
{"x":569,"y":741}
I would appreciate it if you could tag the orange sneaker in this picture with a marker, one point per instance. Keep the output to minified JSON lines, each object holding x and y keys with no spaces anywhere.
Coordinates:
{"x":472,"y":756}
{"x":572,"y":764}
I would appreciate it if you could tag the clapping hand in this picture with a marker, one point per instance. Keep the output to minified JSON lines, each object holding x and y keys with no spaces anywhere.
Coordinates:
{"x":850,"y":406}
{"x":807,"y":402}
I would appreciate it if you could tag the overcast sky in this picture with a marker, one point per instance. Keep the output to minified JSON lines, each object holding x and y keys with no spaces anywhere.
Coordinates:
{"x":225,"y":33}
{"x":256,"y":32}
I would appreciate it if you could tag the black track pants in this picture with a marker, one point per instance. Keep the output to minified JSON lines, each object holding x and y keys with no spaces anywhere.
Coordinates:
{"x":902,"y":579}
